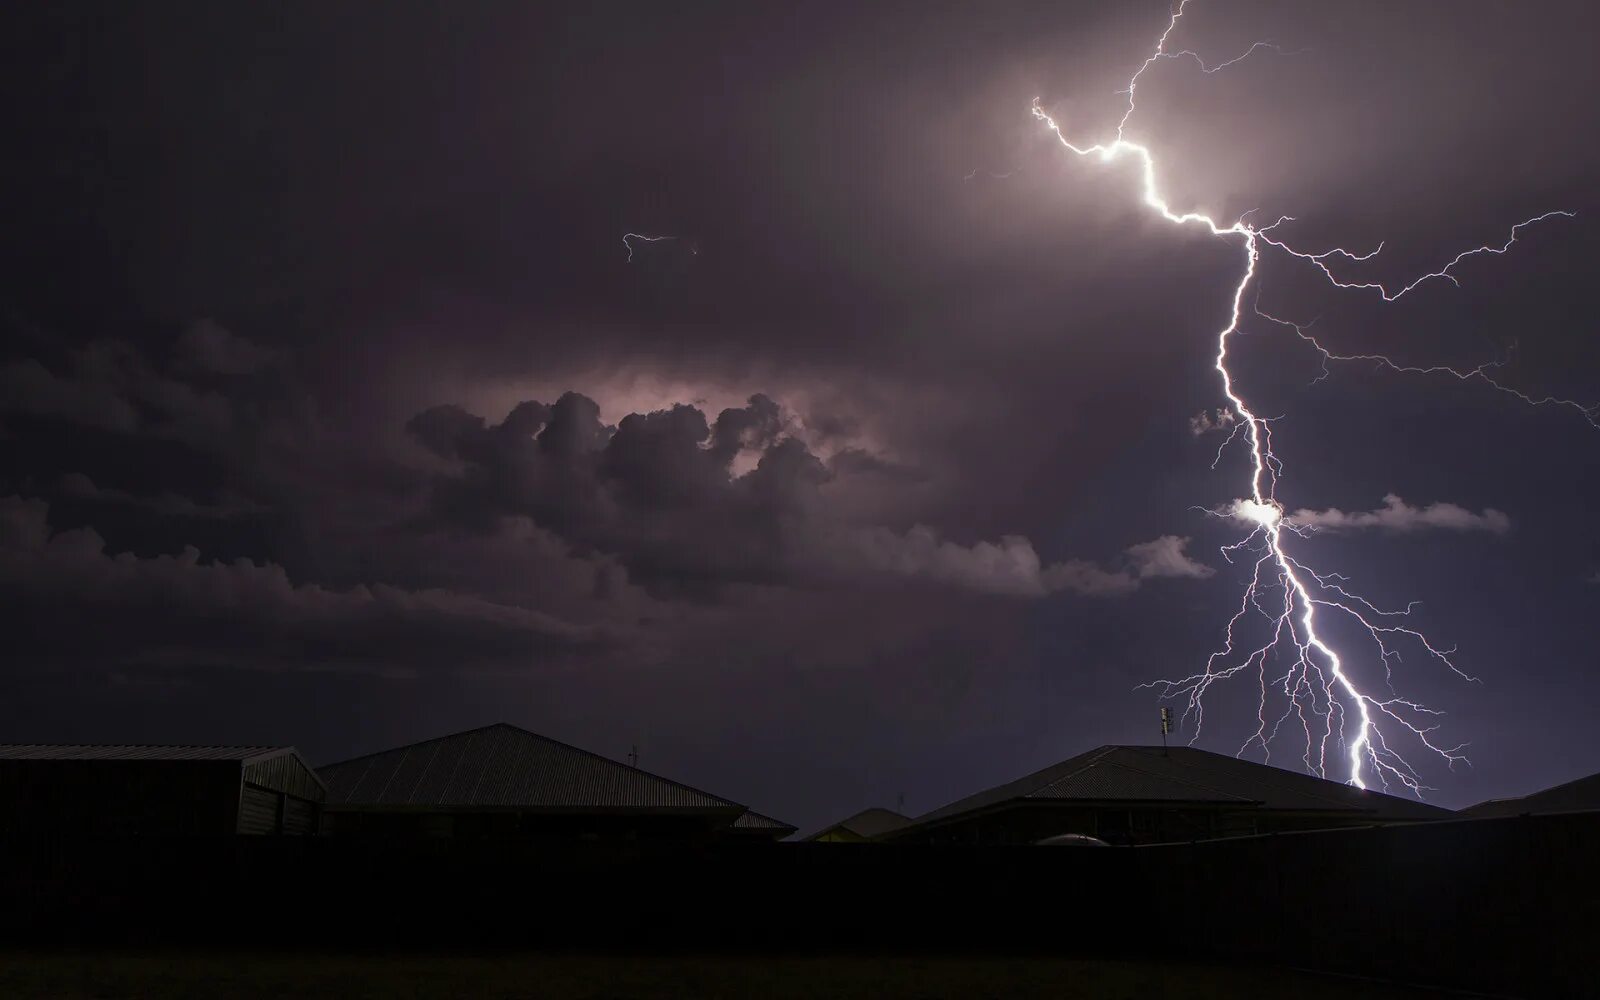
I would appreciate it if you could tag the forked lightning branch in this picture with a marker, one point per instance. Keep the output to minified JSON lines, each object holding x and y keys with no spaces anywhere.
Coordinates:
{"x":1305,"y":683}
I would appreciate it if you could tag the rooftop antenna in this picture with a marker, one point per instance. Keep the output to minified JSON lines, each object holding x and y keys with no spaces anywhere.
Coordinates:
{"x":633,"y":753}
{"x":1166,"y":727}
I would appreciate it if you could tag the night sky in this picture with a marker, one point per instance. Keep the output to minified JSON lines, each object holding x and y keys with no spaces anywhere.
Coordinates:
{"x":334,"y":413}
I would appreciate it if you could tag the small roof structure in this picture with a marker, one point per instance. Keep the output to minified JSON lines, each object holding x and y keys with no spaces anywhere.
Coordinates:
{"x":131,"y":751}
{"x":865,"y":825}
{"x":1581,"y":795}
{"x":502,"y":766}
{"x":1128,"y":774}
{"x":754,"y":824}
{"x":273,"y":768}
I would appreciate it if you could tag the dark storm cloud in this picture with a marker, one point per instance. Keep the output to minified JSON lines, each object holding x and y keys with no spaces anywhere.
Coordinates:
{"x":858,"y":461}
{"x":509,"y":545}
{"x":80,"y":487}
{"x":114,"y":385}
{"x":183,"y":609}
{"x":659,"y":492}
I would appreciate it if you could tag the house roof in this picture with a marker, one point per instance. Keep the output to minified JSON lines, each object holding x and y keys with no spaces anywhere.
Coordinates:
{"x":1582,"y":795}
{"x":128,"y":751}
{"x":867,"y":823}
{"x":754,"y":821}
{"x":506,"y":766}
{"x":1186,"y":774}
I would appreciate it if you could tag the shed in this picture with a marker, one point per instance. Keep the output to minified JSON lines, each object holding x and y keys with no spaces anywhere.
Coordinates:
{"x":49,"y":789}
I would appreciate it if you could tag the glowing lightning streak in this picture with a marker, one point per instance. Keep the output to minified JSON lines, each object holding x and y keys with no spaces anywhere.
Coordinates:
{"x":1320,"y":691}
{"x":627,"y":237}
{"x":1208,"y":70}
{"x":1480,"y":373}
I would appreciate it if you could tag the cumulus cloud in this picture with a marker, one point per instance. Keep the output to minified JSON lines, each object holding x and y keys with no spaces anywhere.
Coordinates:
{"x":1012,"y":567}
{"x":1250,"y":511}
{"x":1217,"y":420}
{"x":1165,"y":557}
{"x":1080,"y":576}
{"x":1400,"y":517}
{"x":661,"y":494}
{"x":210,"y":348}
{"x":660,"y":491}
{"x":860,"y":462}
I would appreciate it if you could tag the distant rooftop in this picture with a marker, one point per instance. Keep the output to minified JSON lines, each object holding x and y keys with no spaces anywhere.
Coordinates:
{"x":505,"y":766}
{"x":1582,"y":795}
{"x":1185,"y":774}
{"x":867,"y":823}
{"x":755,"y":821}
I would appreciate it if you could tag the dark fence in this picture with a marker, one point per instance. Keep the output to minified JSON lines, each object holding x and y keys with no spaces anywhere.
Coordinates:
{"x":1500,"y":905}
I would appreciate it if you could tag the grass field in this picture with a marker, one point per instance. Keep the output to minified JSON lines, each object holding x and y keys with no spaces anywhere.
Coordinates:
{"x":250,"y":975}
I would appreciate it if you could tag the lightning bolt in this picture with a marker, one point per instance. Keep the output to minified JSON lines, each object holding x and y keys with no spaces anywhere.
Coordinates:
{"x":1323,"y":700}
{"x":1241,"y":57}
{"x":1479,"y":373}
{"x":628,"y":238}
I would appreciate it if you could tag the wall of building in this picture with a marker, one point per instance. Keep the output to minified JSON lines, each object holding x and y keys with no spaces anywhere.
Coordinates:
{"x":118,"y":797}
{"x":280,"y":795}
{"x":514,"y":824}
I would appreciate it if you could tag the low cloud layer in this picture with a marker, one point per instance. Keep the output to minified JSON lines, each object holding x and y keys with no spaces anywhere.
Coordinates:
{"x":77,"y":486}
{"x":182,"y":608}
{"x":1012,"y":567}
{"x":1402,"y":518}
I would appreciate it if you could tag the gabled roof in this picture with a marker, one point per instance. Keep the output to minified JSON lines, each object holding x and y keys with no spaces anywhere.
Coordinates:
{"x":1185,"y":774}
{"x":130,"y":751}
{"x":507,"y":767}
{"x":867,"y":823}
{"x":755,"y":822}
{"x":1582,"y":795}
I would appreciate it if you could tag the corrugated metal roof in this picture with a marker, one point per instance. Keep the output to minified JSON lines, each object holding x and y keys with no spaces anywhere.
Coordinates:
{"x":1108,"y":779}
{"x":1279,"y":788}
{"x":752,"y":820}
{"x":1186,"y":774}
{"x":504,"y":766}
{"x":91,"y":751}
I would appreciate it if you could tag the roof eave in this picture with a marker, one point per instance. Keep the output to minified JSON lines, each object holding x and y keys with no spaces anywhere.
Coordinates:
{"x":577,"y":810}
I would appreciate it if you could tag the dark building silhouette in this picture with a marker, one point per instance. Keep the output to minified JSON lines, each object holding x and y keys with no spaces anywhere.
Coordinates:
{"x":1147,"y":795}
{"x":503,"y":781}
{"x":156,"y":790}
{"x":868,"y":824}
{"x":1582,"y":795}
{"x":754,"y":826}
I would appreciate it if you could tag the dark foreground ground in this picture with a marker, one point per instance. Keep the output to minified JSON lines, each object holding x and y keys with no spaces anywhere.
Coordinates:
{"x":1505,"y":907}
{"x":162,"y":975}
